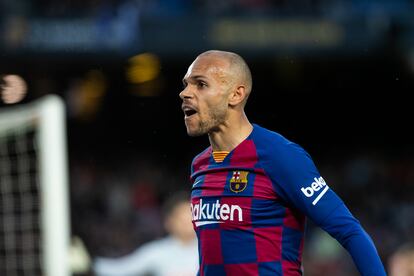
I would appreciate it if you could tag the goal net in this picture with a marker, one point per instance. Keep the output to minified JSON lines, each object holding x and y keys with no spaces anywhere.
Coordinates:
{"x":34,"y":213}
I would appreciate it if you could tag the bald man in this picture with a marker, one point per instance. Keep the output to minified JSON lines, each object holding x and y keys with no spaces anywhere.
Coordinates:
{"x":252,"y":188}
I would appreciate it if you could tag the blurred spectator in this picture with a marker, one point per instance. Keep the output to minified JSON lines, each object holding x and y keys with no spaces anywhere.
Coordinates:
{"x":13,"y":89}
{"x":401,"y":262}
{"x":173,"y":255}
{"x":324,"y":255}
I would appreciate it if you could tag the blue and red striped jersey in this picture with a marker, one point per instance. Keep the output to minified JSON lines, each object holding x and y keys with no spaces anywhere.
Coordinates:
{"x":249,"y":210}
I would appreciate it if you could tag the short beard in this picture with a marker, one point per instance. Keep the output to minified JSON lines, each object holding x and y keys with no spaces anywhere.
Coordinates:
{"x":217,"y":116}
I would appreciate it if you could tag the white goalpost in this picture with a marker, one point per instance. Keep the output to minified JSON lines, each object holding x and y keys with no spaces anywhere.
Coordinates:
{"x":34,"y":206}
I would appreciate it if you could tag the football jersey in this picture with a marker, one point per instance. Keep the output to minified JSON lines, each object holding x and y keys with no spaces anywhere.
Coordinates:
{"x":249,"y":210}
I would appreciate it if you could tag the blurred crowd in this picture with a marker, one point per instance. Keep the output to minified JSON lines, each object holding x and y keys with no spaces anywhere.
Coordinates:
{"x":155,"y":8}
{"x":116,"y":205}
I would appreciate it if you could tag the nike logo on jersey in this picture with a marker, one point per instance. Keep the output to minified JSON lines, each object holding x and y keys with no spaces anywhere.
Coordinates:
{"x":314,"y":188}
{"x":196,"y":182}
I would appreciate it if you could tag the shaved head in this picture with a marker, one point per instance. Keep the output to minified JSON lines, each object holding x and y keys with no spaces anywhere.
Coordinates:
{"x":236,"y":72}
{"x":216,"y":87}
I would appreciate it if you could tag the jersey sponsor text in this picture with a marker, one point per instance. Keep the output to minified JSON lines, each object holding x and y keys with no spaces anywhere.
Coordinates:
{"x":315,"y":187}
{"x":215,"y":212}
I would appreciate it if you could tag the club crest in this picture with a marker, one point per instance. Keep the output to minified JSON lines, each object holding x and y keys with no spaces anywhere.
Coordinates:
{"x":238,"y":182}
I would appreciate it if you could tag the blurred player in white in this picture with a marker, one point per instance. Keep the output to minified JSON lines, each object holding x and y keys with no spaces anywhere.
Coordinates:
{"x":174,"y":255}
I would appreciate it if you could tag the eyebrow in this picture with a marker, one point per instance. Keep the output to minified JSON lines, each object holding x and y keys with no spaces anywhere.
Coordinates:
{"x":196,"y":77}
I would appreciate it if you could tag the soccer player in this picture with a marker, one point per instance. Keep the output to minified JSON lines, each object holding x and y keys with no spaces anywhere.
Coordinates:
{"x":173,"y":255}
{"x":252,"y":188}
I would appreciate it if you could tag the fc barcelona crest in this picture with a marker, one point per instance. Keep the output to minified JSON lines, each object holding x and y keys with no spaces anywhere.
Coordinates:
{"x":238,"y":182}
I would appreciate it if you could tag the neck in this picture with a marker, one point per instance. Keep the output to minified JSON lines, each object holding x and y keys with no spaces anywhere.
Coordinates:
{"x":230,"y":134}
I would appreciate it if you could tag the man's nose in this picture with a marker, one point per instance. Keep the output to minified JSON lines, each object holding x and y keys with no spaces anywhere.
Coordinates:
{"x":185,"y":93}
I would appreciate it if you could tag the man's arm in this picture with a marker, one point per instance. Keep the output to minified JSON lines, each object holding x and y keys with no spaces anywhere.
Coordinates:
{"x":138,"y":262}
{"x":298,"y":181}
{"x":347,"y":230}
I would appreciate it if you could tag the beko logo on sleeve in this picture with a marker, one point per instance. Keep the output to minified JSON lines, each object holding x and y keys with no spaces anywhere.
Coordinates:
{"x":315,"y":187}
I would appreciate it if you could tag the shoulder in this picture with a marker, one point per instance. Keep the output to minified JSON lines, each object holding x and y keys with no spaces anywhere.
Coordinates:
{"x":156,"y":246}
{"x":275,"y":147}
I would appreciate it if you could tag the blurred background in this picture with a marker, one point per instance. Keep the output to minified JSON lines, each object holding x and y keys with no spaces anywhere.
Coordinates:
{"x":334,"y":76}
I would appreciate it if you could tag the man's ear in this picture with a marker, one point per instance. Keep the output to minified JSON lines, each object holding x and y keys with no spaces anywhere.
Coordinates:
{"x":237,"y":96}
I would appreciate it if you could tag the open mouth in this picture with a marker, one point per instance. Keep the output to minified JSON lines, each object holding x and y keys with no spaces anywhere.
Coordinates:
{"x":189,"y":112}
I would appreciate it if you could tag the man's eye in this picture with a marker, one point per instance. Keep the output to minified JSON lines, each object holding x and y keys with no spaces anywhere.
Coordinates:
{"x":201,"y":84}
